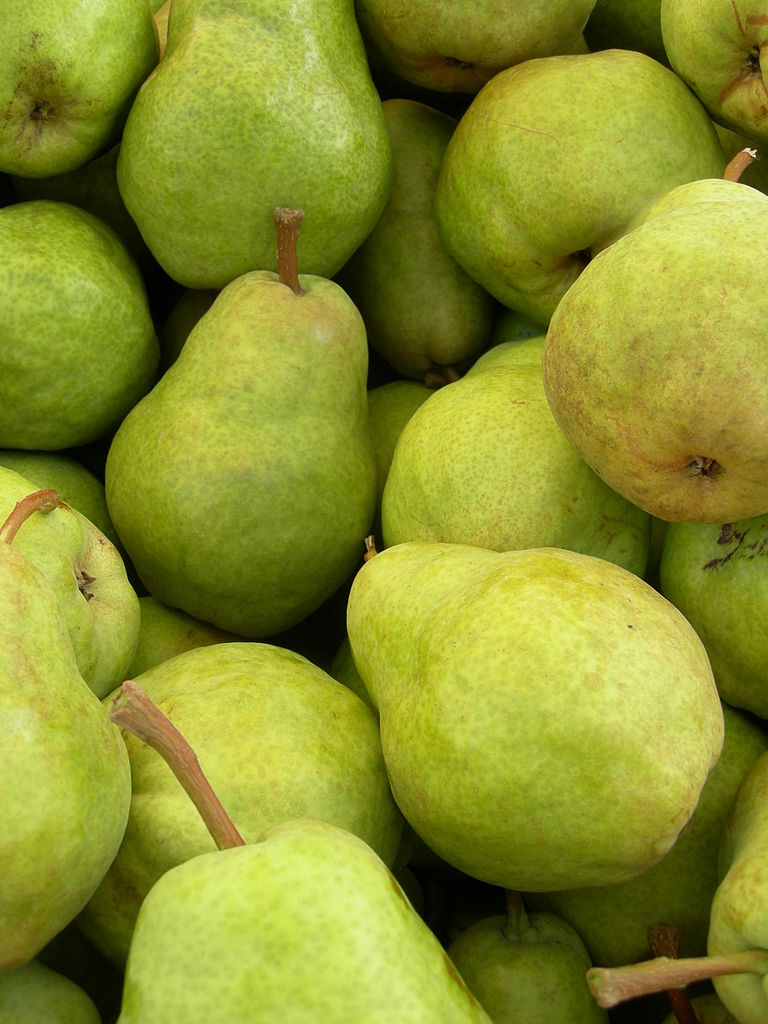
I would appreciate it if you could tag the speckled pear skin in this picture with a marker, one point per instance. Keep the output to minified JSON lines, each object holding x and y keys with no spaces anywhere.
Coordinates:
{"x":244,"y":484}
{"x":545,"y":715}
{"x":305,"y":925}
{"x":277,"y":738}
{"x":66,"y":808}
{"x":36,"y":994}
{"x":68,"y":74}
{"x":76,"y":335}
{"x":739,"y":913}
{"x":530,"y":969}
{"x":482,"y":461}
{"x":421,"y":309}
{"x":666,"y":400}
{"x":544,"y":135}
{"x":87,"y":573}
{"x":255,"y":104}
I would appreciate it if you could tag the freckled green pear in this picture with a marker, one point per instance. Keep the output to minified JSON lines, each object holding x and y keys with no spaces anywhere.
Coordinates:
{"x":255,"y":104}
{"x":36,"y":994}
{"x":548,"y":720}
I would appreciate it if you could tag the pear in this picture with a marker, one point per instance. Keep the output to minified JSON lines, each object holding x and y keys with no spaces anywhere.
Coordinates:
{"x":595,"y":137}
{"x":421,"y":309}
{"x":614,"y":920}
{"x":305,"y":924}
{"x":666,"y":399}
{"x":279,"y":922}
{"x":35,"y":994}
{"x":85,"y":570}
{"x":66,"y":809}
{"x":243,"y":484}
{"x":451,"y":47}
{"x":714,"y":575}
{"x":716,"y":49}
{"x":276,"y":736}
{"x":254,"y":105}
{"x":482,"y":461}
{"x":68,"y":75}
{"x":165,"y":632}
{"x":526,"y":967}
{"x":76,"y":334}
{"x":547,"y":719}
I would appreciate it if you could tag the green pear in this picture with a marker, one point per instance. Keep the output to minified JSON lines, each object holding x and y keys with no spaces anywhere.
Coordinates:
{"x":277,"y":737}
{"x":595,"y":137}
{"x":76,"y":335}
{"x":716,"y":49}
{"x":68,"y":74}
{"x":507,"y":477}
{"x":739,"y":913}
{"x":243,"y":484}
{"x":547,"y":719}
{"x":626,"y":25}
{"x":254,"y":105}
{"x":66,"y":805}
{"x":526,"y":967}
{"x":714,"y":574}
{"x":420,"y":308}
{"x":664,"y":393}
{"x":450,"y":47}
{"x":87,"y":574}
{"x":305,"y":924}
{"x":35,"y":994}
{"x":511,"y":352}
{"x":165,"y":632}
{"x":613,"y":920}
{"x":77,"y":485}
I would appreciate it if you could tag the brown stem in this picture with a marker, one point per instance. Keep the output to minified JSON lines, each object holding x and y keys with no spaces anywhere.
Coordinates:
{"x":664,"y":940}
{"x":287,"y":224}
{"x":44,"y":500}
{"x":739,"y":163}
{"x":370,"y":547}
{"x":613,"y":985}
{"x":516,"y":915}
{"x":133,"y":710}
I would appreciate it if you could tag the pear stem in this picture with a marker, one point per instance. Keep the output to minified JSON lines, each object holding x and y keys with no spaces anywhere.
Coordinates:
{"x":44,"y":501}
{"x":613,"y":985}
{"x":132,"y":709}
{"x":438,"y":376}
{"x":287,"y":224}
{"x":739,"y":163}
{"x":517,"y":918}
{"x":370,"y":547}
{"x":664,"y":940}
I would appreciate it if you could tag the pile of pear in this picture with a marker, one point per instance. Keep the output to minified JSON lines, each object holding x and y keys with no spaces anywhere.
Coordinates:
{"x":383,"y":507}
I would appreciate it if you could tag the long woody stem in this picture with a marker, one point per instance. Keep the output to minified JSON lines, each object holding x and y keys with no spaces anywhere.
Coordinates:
{"x":43,"y":500}
{"x":133,"y":710}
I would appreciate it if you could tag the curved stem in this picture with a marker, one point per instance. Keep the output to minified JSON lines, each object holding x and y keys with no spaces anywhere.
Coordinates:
{"x":739,"y":163}
{"x":613,"y":985}
{"x":287,"y":224}
{"x":44,"y":500}
{"x":132,"y":709}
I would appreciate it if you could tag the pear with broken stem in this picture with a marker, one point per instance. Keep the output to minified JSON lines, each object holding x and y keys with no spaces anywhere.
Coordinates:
{"x":305,"y":924}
